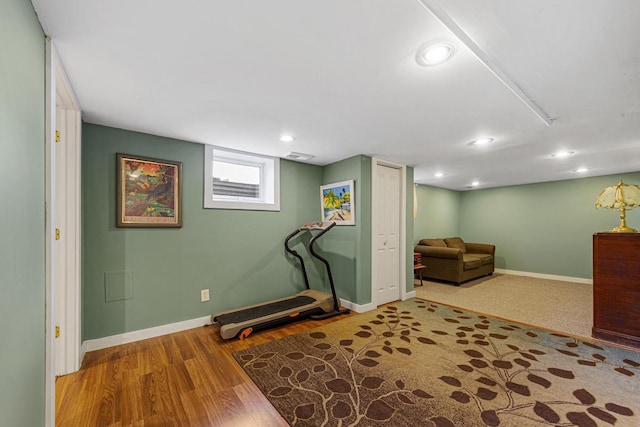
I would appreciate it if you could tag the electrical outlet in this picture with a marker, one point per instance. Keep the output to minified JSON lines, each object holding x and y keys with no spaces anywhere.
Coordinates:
{"x":204,"y":295}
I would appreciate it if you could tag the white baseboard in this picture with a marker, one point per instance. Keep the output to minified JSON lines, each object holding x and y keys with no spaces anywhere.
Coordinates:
{"x":143,"y":334}
{"x":370,"y":306}
{"x":357,"y":307}
{"x":408,"y":295}
{"x":545,"y":276}
{"x":83,"y":351}
{"x":129,"y":337}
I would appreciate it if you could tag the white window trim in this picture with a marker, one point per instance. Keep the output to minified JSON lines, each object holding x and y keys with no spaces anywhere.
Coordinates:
{"x":269,"y":181}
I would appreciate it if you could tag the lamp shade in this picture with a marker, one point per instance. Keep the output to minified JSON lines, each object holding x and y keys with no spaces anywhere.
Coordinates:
{"x":621,"y":196}
{"x":618,"y":196}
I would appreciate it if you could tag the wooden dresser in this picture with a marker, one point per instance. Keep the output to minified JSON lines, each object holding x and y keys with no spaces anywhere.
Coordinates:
{"x":616,"y":287}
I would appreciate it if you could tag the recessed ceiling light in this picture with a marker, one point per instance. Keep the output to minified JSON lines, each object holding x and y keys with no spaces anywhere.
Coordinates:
{"x":434,"y":53}
{"x":482,"y":141}
{"x":475,"y":183}
{"x":562,"y":154}
{"x":287,"y":138}
{"x":438,"y":175}
{"x":581,"y":170}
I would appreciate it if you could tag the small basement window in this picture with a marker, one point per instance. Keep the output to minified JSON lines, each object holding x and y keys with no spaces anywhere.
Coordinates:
{"x":239,"y":180}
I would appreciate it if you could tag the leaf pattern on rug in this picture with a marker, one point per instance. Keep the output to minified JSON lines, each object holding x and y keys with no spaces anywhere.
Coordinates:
{"x":381,"y":368}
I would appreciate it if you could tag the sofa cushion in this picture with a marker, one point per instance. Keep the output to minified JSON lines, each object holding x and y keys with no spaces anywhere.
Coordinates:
{"x":434,"y":242}
{"x":471,"y":261}
{"x":485,"y":258}
{"x":457,"y":243}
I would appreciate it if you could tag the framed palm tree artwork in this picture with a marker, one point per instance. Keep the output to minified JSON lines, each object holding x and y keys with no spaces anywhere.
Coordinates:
{"x":337,"y":203}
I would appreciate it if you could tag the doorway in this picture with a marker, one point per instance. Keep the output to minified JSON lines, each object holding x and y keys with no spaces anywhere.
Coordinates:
{"x":388,"y":278}
{"x":62,"y":229}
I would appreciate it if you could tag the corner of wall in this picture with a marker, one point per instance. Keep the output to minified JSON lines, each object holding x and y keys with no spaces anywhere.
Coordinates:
{"x":350,"y":246}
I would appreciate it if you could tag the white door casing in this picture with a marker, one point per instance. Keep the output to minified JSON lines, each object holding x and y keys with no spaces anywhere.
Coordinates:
{"x":388,"y":277}
{"x":62,"y":259}
{"x":50,"y":135}
{"x":67,"y":247}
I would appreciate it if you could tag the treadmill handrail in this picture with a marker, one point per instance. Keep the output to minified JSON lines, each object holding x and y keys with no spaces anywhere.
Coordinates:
{"x":295,"y":254}
{"x":336,"y":303}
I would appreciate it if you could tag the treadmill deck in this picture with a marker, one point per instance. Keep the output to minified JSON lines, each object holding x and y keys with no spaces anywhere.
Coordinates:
{"x":263,"y":310}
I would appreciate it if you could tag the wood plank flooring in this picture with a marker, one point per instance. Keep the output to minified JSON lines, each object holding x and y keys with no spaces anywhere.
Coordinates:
{"x":184,"y":379}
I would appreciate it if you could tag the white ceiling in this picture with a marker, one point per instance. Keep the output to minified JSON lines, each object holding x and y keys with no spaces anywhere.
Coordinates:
{"x":341,"y":77}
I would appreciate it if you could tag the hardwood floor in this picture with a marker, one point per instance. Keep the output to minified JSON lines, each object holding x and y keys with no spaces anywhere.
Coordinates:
{"x":184,"y":379}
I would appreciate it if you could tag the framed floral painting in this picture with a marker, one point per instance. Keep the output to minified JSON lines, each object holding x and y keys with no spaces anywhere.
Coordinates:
{"x":149,"y":192}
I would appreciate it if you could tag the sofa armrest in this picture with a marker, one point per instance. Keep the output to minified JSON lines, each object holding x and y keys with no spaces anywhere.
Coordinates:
{"x":438,"y":252}
{"x":480,"y":248}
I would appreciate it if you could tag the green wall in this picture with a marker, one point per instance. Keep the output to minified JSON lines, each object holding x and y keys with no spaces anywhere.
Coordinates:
{"x":348,"y":247}
{"x":22,"y":247}
{"x":543,"y":228}
{"x":438,"y":213}
{"x":238,"y":255}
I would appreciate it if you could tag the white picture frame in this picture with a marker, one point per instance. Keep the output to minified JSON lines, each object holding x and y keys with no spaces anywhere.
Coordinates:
{"x":337,"y":203}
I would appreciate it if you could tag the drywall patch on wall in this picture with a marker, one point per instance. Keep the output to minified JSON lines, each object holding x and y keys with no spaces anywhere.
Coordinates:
{"x":118,"y":285}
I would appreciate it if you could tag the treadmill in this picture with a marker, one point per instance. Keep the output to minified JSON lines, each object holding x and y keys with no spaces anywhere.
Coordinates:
{"x":306,"y":304}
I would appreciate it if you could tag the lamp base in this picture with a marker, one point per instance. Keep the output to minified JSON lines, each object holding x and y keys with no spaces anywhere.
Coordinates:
{"x":623,"y":229}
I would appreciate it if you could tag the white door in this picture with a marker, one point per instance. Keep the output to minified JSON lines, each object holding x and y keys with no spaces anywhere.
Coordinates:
{"x":63,"y":228}
{"x":59,"y":270}
{"x":386,"y":238}
{"x":66,"y":269}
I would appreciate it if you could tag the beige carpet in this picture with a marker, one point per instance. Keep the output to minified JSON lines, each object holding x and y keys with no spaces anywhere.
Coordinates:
{"x":552,"y":304}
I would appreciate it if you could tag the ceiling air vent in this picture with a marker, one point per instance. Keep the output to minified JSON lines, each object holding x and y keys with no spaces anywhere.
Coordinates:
{"x":300,"y":157}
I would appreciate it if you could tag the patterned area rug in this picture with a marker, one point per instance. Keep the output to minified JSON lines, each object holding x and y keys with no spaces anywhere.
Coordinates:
{"x":418,"y":363}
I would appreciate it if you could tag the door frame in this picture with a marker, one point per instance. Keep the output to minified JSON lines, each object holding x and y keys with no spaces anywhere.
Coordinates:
{"x":59,"y":95}
{"x":375,"y":204}
{"x":68,"y":219}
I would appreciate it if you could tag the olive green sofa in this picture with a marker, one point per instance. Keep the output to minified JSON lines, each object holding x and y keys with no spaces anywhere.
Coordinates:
{"x":454,"y":260}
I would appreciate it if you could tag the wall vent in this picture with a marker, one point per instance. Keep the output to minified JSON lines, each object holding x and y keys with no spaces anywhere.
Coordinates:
{"x":300,"y":157}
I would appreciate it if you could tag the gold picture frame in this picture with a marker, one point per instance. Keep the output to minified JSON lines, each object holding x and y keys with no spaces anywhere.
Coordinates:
{"x":149,"y":192}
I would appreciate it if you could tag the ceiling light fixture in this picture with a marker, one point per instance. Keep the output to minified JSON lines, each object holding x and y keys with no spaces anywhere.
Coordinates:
{"x":434,"y":53}
{"x":581,"y":170}
{"x":287,"y":138}
{"x":475,"y":183}
{"x":438,"y":175}
{"x":562,"y":154}
{"x":482,"y":141}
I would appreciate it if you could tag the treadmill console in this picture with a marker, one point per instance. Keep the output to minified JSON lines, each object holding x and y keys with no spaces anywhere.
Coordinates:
{"x":317,"y":226}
